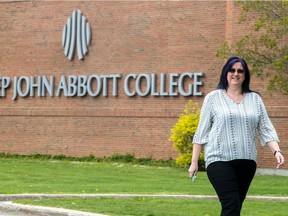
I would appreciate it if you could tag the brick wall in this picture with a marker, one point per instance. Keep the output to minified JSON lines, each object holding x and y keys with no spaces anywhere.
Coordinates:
{"x":127,"y":37}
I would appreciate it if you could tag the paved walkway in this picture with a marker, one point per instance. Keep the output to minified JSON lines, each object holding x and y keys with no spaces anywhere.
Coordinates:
{"x":7,"y":208}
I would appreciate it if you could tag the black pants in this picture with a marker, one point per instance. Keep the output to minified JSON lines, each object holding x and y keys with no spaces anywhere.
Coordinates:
{"x":231,"y":181}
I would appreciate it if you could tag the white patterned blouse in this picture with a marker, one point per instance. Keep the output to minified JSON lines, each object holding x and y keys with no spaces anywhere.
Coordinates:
{"x":228,"y":130}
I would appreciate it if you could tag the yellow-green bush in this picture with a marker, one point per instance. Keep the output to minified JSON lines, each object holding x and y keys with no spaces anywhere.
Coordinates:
{"x":182,"y":135}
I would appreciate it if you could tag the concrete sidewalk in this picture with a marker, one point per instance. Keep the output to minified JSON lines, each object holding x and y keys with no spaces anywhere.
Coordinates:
{"x":7,"y":208}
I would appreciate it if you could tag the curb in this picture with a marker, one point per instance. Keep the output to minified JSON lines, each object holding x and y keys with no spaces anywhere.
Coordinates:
{"x":11,"y":197}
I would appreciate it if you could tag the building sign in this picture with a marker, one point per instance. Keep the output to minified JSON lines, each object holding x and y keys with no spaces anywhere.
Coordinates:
{"x":77,"y":32}
{"x":173,"y":84}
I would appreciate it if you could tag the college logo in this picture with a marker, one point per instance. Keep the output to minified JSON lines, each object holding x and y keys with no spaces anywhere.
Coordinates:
{"x":77,"y":31}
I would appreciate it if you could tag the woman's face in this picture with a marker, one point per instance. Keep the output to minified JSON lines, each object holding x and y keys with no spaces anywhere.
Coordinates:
{"x":236,"y":75}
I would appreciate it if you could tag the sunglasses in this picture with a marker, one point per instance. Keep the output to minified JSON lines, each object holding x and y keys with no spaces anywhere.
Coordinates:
{"x":233,"y":70}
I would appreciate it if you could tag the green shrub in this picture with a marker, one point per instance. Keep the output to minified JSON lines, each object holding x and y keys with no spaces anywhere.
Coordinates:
{"x":127,"y":158}
{"x":116,"y":158}
{"x":182,"y":135}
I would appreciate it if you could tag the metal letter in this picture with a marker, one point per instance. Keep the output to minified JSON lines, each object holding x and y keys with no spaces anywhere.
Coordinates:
{"x":181,"y":84}
{"x":197,"y":83}
{"x":172,"y":83}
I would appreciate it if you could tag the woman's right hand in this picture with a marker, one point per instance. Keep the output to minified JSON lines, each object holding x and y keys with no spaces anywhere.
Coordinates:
{"x":193,"y":169}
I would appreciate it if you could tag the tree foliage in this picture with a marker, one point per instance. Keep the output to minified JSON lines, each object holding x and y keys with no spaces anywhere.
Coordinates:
{"x":266,"y":47}
{"x":182,"y":135}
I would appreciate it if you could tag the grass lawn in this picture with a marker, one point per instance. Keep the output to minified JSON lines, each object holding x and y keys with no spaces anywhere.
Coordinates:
{"x":161,"y":206}
{"x":49,"y":177}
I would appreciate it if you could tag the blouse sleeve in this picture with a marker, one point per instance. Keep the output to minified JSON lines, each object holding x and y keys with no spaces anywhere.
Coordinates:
{"x":265,"y":127}
{"x":205,"y":122}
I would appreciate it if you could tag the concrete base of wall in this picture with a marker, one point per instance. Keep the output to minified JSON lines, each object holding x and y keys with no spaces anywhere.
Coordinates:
{"x":277,"y":172}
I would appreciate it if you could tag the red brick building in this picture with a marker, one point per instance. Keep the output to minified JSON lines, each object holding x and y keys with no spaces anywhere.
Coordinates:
{"x":138,"y":38}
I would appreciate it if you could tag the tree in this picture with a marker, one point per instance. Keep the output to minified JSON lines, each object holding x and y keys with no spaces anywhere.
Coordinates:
{"x":266,"y":47}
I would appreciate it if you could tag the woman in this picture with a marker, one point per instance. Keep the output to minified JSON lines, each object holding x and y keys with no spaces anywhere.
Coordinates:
{"x":230,"y":117}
